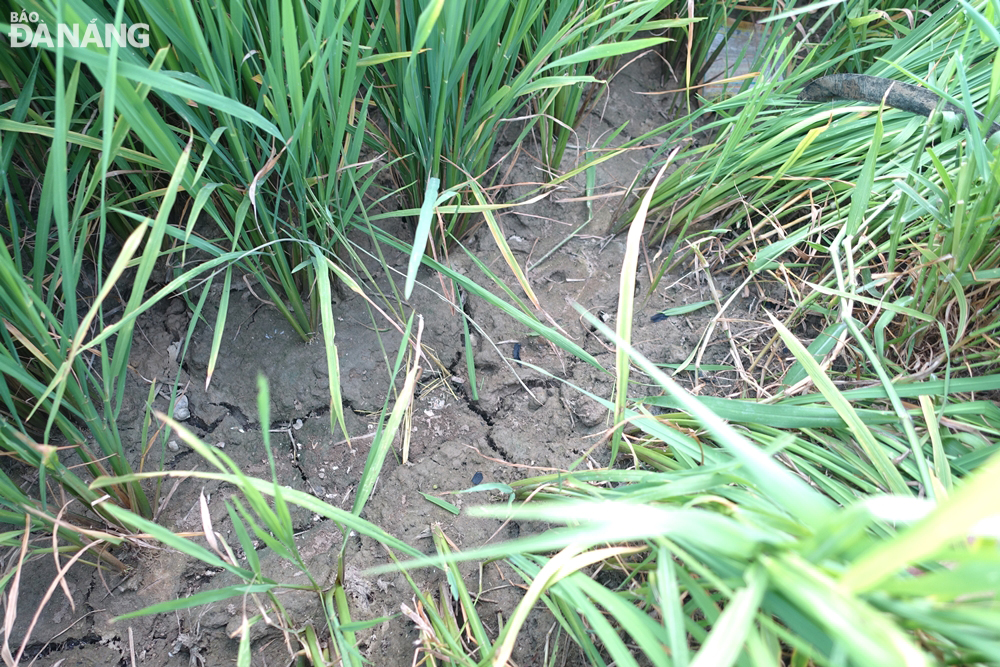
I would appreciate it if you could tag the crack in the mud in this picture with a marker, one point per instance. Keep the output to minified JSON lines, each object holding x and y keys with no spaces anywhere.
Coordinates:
{"x":321,"y":411}
{"x":497,"y":448}
{"x":247,"y":425}
{"x":235,"y":411}
{"x":179,"y":457}
{"x":463,"y":392}
{"x":347,"y":404}
{"x":298,"y":466}
{"x":33,"y":652}
{"x":316,"y":490}
{"x":489,"y":421}
{"x":479,"y":410}
{"x":200,"y":423}
{"x":540,"y":383}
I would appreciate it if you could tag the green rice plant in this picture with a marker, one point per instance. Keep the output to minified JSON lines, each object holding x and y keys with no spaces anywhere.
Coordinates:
{"x":782,"y":178}
{"x":945,"y":221}
{"x":560,"y":110}
{"x":29,"y":100}
{"x":474,"y":67}
{"x":276,"y":106}
{"x":261,"y":514}
{"x":722,"y":549}
{"x":68,"y":305}
{"x":695,"y":44}
{"x":72,"y":290}
{"x":460,"y":639}
{"x":62,"y":376}
{"x":753,"y":128}
{"x":274,"y":133}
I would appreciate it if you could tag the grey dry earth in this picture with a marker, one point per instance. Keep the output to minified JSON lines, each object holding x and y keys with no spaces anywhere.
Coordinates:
{"x":524,"y":423}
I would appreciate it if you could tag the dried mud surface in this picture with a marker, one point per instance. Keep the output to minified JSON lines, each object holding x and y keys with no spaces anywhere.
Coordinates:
{"x":523,"y":424}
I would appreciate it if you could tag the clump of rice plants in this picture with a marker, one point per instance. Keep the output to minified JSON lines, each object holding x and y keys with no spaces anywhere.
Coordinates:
{"x":260,"y":513}
{"x":472,"y":68}
{"x":90,"y":213}
{"x":276,"y":108}
{"x":779,"y":534}
{"x":559,"y":110}
{"x":66,"y":337}
{"x":915,"y":195}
